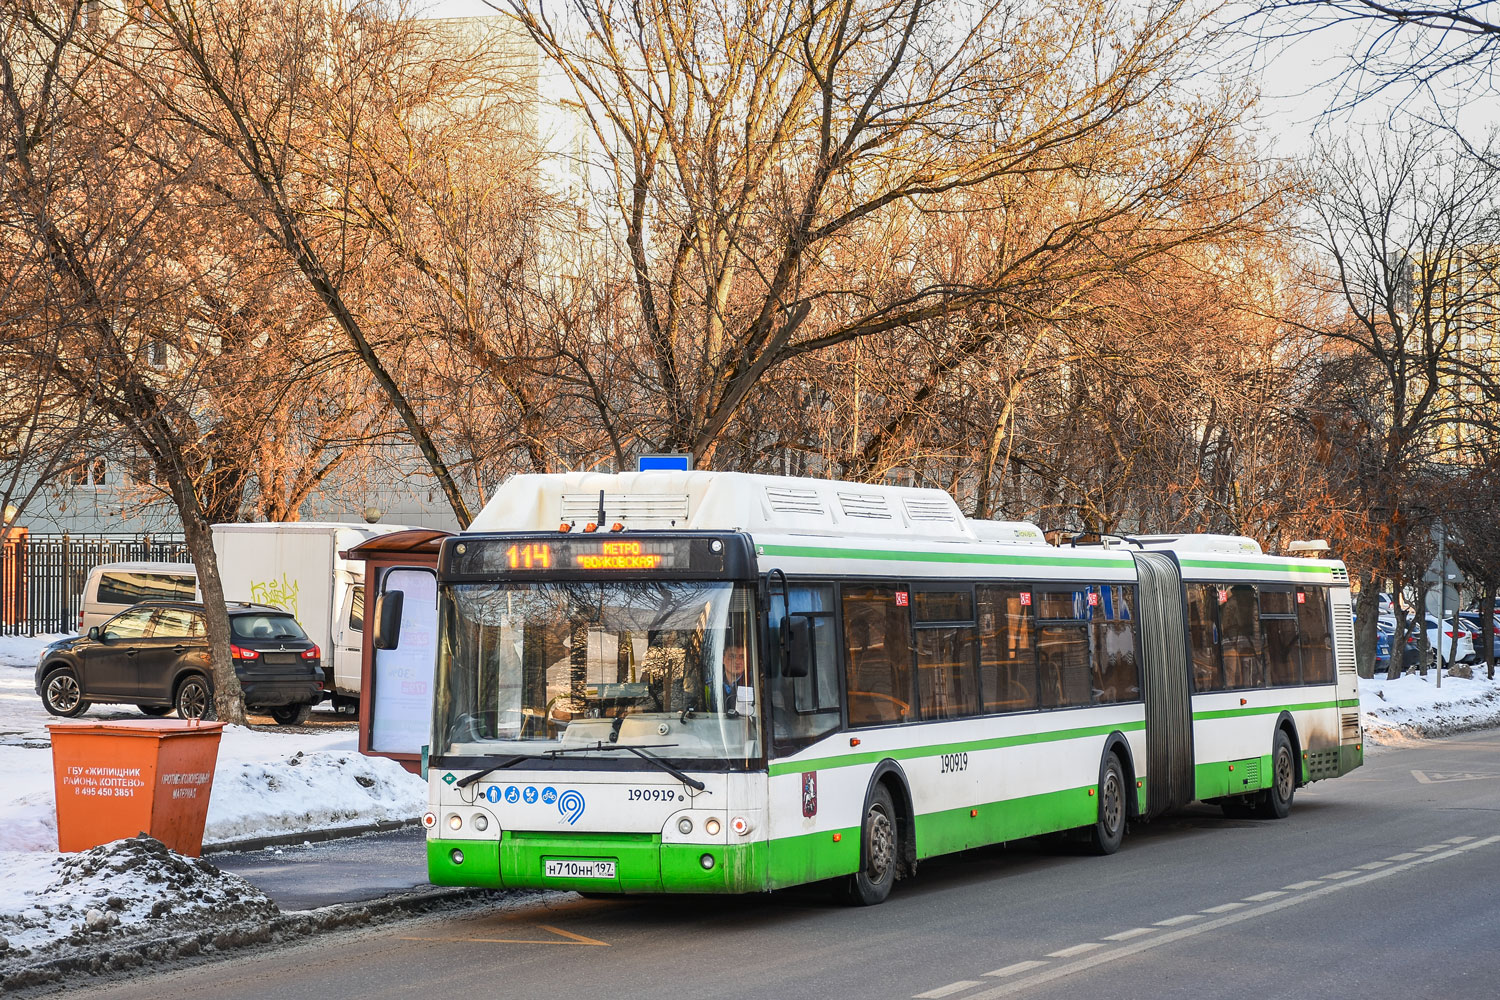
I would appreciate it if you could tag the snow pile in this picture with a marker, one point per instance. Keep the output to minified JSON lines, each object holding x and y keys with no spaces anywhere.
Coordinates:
{"x":1413,"y":706}
{"x":66,"y":902}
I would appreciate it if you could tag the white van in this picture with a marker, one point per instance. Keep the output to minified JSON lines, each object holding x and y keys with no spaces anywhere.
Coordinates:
{"x":113,"y":587}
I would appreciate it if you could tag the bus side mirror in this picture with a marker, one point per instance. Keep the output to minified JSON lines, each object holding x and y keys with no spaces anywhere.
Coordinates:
{"x":796,"y":646}
{"x":388,"y":619}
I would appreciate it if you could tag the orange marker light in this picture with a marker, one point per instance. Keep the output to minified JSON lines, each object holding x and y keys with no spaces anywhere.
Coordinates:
{"x":1231,"y":767}
{"x":854,"y":741}
{"x":973,"y":813}
{"x":1243,"y":702}
{"x":1091,"y":793}
{"x":591,"y":526}
{"x":617,"y":526}
{"x":565,"y":527}
{"x":837,"y":837}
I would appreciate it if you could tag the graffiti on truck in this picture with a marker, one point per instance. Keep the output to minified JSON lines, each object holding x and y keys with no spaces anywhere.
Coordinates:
{"x":282,"y":593}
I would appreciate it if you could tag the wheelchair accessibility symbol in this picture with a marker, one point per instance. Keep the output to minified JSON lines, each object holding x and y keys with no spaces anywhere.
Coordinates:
{"x":512,"y":794}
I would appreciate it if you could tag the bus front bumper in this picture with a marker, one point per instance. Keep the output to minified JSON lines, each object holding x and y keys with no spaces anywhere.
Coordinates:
{"x":518,"y":859}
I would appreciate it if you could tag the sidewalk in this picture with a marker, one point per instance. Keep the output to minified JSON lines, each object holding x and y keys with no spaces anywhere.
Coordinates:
{"x":306,"y":876}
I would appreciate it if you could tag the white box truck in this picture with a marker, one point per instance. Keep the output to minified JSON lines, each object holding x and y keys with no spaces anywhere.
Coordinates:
{"x":297,"y":566}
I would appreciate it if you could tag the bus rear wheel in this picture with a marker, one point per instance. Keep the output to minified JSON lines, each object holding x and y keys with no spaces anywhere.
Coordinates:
{"x":1276,"y":801}
{"x":1109,"y":829}
{"x":879,"y":851}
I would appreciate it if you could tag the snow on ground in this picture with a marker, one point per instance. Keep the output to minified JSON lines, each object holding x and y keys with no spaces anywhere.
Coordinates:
{"x":1415,"y":706}
{"x":266,"y":783}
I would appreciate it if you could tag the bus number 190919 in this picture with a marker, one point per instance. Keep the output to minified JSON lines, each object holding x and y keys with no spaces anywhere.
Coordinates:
{"x":955,"y":762}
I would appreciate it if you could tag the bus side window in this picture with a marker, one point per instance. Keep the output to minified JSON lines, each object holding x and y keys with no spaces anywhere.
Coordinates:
{"x":1316,"y":639}
{"x":1239,"y":633}
{"x":1202,"y":606}
{"x":1278,"y":623}
{"x":1116,"y":675}
{"x":1007,"y":657}
{"x":1062,"y":647}
{"x":877,"y":644}
{"x":806,"y":708}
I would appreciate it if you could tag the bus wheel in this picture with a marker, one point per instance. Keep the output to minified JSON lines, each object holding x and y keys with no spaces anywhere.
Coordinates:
{"x":879,"y":849}
{"x":1277,"y":802}
{"x":1109,"y":830}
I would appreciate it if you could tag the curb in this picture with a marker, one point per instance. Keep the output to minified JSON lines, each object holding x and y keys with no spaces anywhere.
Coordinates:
{"x":124,"y":957}
{"x":247,"y":844}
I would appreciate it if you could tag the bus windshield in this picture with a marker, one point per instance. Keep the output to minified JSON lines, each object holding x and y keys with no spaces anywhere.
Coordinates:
{"x":529,"y":667}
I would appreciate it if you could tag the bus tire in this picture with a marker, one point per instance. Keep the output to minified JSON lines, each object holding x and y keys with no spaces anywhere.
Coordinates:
{"x":1108,"y":830}
{"x":879,"y":852}
{"x":1277,"y":801}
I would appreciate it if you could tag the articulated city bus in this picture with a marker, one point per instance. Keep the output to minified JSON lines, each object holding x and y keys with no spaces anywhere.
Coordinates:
{"x":717,"y":682}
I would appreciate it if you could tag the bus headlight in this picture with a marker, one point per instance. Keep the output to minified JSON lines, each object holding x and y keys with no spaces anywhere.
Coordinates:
{"x":684,"y":826}
{"x":711,"y":826}
{"x":481,"y":822}
{"x":455,"y":821}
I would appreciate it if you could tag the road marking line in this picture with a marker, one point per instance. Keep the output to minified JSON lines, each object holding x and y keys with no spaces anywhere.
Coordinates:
{"x":1407,"y":856}
{"x":1459,"y":840}
{"x":949,"y":990}
{"x":1428,"y":849}
{"x":1343,"y":874}
{"x":573,"y":939}
{"x":1011,"y":970}
{"x":1372,"y":865}
{"x":1295,"y":886}
{"x":569,"y":934}
{"x":1077,"y":949}
{"x":1168,"y":937}
{"x":1261,"y":897}
{"x":1222,"y":907}
{"x":1134,"y":932}
{"x":1174,"y":921}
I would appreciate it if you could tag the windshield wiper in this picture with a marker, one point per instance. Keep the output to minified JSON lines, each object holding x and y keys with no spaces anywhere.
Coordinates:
{"x":465,"y":782}
{"x":639,"y":751}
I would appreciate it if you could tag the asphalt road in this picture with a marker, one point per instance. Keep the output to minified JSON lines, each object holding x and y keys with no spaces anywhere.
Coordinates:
{"x":1381,"y":884}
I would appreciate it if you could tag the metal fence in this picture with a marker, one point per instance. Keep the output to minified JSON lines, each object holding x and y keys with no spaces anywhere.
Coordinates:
{"x":42,"y":576}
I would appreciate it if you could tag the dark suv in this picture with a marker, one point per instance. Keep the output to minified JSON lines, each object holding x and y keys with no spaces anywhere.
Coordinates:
{"x":155,"y":655}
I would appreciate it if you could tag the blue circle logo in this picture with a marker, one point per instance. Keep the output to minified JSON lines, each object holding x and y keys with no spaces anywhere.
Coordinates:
{"x":493,"y":793}
{"x":549,"y":795}
{"x":512,"y":794}
{"x":530,"y":794}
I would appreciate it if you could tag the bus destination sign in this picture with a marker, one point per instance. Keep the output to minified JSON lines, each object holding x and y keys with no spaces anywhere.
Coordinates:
{"x":589,"y":555}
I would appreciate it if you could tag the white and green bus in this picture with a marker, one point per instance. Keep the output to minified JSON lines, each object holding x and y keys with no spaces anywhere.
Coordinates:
{"x":718,"y":682}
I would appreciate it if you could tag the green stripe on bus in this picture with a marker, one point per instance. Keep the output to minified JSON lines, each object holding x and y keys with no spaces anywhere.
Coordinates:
{"x":936,"y":749}
{"x":1311,"y":706}
{"x":1259,"y":567}
{"x":971,"y":558}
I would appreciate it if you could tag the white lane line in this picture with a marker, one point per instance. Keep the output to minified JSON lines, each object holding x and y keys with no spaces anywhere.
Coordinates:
{"x":1428,"y":849}
{"x":1222,"y":907}
{"x":1134,"y":932}
{"x":1011,"y":970}
{"x":1077,"y":949}
{"x":949,"y":990}
{"x":1174,"y":921}
{"x":1343,"y":874}
{"x":1168,"y":937}
{"x":1372,"y":865}
{"x":1261,"y":897}
{"x":1297,"y":886}
{"x":1459,"y":840}
{"x":1407,"y":856}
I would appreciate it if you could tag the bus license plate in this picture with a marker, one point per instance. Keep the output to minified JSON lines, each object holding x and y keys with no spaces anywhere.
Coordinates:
{"x":579,"y":868}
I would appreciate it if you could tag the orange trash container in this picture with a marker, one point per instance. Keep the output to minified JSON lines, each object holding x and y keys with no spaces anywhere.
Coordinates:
{"x":119,"y":779}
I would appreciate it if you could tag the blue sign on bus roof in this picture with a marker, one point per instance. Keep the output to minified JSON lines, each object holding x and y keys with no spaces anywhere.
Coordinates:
{"x":664,"y":463}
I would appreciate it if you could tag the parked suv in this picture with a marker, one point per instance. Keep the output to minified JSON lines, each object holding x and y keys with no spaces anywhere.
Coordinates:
{"x":155,"y":656}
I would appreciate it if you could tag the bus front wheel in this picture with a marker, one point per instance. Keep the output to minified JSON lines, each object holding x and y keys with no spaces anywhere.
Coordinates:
{"x":879,"y":851}
{"x":1109,"y":829}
